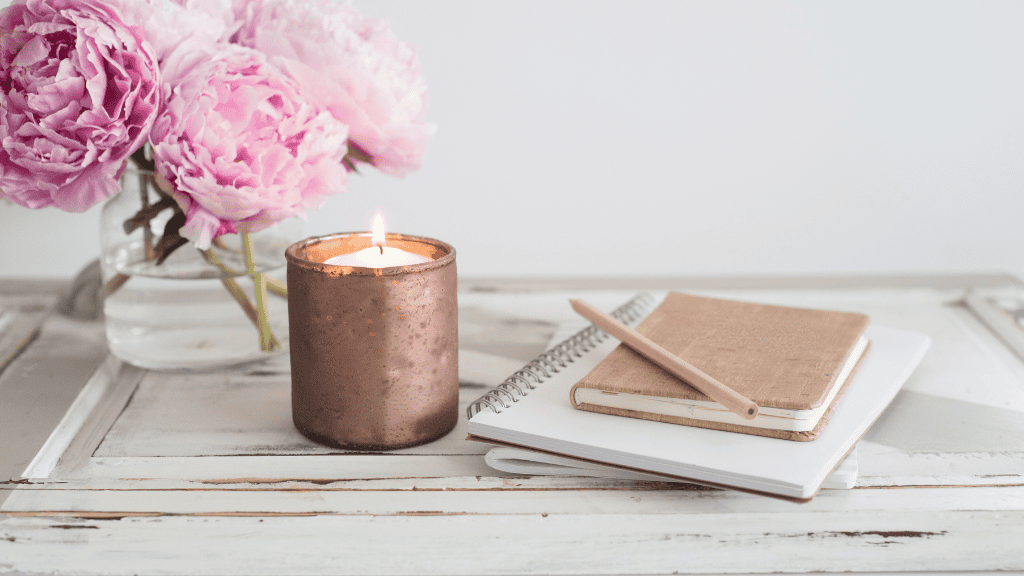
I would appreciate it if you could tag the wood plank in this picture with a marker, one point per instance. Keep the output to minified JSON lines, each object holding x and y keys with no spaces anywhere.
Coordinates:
{"x":310,"y":467}
{"x":87,"y":420}
{"x":949,"y":469}
{"x":885,"y":470}
{"x":20,"y":319}
{"x":249,"y":414}
{"x":451,"y":483}
{"x":503,"y":502}
{"x":485,"y":371}
{"x":40,"y":384}
{"x":431,"y":543}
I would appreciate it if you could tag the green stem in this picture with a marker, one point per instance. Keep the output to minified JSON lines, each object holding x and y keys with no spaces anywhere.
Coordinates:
{"x":147,"y":232}
{"x":212,"y":259}
{"x":243,"y":301}
{"x":274,"y":286}
{"x":267,"y":341}
{"x":236,"y":291}
{"x":277,"y":287}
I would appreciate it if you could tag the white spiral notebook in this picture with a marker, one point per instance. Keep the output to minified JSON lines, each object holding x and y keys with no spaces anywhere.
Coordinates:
{"x":533,"y":463}
{"x":531,"y":409}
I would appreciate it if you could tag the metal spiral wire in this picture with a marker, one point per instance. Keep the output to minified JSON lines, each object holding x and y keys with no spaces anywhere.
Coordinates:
{"x":541,"y":368}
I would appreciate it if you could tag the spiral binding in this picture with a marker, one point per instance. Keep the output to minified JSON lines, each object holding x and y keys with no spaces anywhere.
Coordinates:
{"x":542,"y":367}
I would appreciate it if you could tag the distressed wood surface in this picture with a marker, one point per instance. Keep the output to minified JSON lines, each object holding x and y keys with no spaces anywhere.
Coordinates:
{"x":511,"y":499}
{"x":200,"y":474}
{"x":87,"y":420}
{"x":39,"y":384}
{"x":205,"y":415}
{"x":426,"y":542}
{"x":951,"y":425}
{"x":20,"y":319}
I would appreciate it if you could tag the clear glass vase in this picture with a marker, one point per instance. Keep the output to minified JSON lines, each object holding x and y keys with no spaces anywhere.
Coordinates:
{"x":180,"y":314}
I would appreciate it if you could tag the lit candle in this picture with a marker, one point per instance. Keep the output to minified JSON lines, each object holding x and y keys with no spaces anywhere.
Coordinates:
{"x":379,"y":255}
{"x":374,"y":351}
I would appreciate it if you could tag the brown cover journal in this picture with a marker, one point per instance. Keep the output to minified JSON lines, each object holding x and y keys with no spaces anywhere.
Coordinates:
{"x":778,"y":356}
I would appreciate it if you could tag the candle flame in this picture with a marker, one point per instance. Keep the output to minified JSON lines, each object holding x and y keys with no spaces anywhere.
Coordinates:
{"x":377,"y":232}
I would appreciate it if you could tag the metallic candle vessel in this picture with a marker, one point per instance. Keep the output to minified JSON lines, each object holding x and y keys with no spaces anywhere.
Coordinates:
{"x":374,"y":351}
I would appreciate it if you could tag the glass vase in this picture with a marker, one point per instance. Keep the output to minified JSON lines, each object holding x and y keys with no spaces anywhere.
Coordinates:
{"x":185,"y":313}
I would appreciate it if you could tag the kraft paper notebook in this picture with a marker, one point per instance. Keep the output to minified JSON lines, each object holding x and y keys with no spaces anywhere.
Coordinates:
{"x":791,"y":362}
{"x":531,"y":409}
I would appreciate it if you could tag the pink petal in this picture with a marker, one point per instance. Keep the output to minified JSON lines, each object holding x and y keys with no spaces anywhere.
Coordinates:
{"x":90,"y":187}
{"x":34,"y":51}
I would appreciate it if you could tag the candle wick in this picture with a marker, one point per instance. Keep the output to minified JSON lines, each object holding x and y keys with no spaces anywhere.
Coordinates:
{"x":381,"y":249}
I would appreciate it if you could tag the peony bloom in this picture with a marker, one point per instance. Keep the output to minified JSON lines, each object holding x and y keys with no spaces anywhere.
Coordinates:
{"x":79,"y":92}
{"x":182,"y":32}
{"x":356,"y":68}
{"x":242,"y":149}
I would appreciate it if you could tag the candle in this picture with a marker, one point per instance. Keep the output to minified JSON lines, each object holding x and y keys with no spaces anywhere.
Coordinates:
{"x":374,"y":351}
{"x":379,"y":255}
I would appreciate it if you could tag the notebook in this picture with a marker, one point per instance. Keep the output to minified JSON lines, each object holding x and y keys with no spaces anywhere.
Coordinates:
{"x":531,"y":410}
{"x":533,"y":463}
{"x":791,"y":362}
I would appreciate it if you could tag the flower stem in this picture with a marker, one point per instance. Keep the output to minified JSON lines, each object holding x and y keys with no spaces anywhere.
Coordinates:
{"x":147,"y":232}
{"x":212,"y":259}
{"x":267,"y":341}
{"x":236,"y":291}
{"x":114,"y":284}
{"x":242,"y":299}
{"x":276,"y":286}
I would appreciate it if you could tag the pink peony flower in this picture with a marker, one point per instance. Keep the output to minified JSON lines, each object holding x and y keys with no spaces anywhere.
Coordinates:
{"x":181,"y":32}
{"x":78,"y":94}
{"x":242,"y":149}
{"x":356,"y":68}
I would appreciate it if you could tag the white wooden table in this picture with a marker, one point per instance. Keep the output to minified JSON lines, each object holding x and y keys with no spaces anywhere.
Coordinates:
{"x":110,"y":469}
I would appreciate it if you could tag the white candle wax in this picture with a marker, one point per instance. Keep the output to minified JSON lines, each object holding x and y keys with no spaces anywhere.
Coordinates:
{"x":373,"y":258}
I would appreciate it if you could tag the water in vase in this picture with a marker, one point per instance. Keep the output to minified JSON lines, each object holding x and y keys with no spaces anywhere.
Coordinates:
{"x":180,"y":316}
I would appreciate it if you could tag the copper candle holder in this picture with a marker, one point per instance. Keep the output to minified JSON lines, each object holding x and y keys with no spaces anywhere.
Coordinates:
{"x":374,"y":351}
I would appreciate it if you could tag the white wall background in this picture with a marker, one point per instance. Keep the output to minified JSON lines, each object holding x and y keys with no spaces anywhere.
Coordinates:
{"x":586,"y":138}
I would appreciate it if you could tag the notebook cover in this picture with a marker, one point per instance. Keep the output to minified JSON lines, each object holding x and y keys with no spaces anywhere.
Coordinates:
{"x":778,"y":356}
{"x":676,"y":477}
{"x":799,"y":436}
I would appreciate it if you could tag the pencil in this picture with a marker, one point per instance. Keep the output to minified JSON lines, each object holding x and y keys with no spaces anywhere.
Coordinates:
{"x":678,"y":367}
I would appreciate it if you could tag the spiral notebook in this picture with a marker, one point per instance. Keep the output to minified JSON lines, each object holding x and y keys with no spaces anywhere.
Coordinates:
{"x":531,"y":409}
{"x":534,"y":463}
